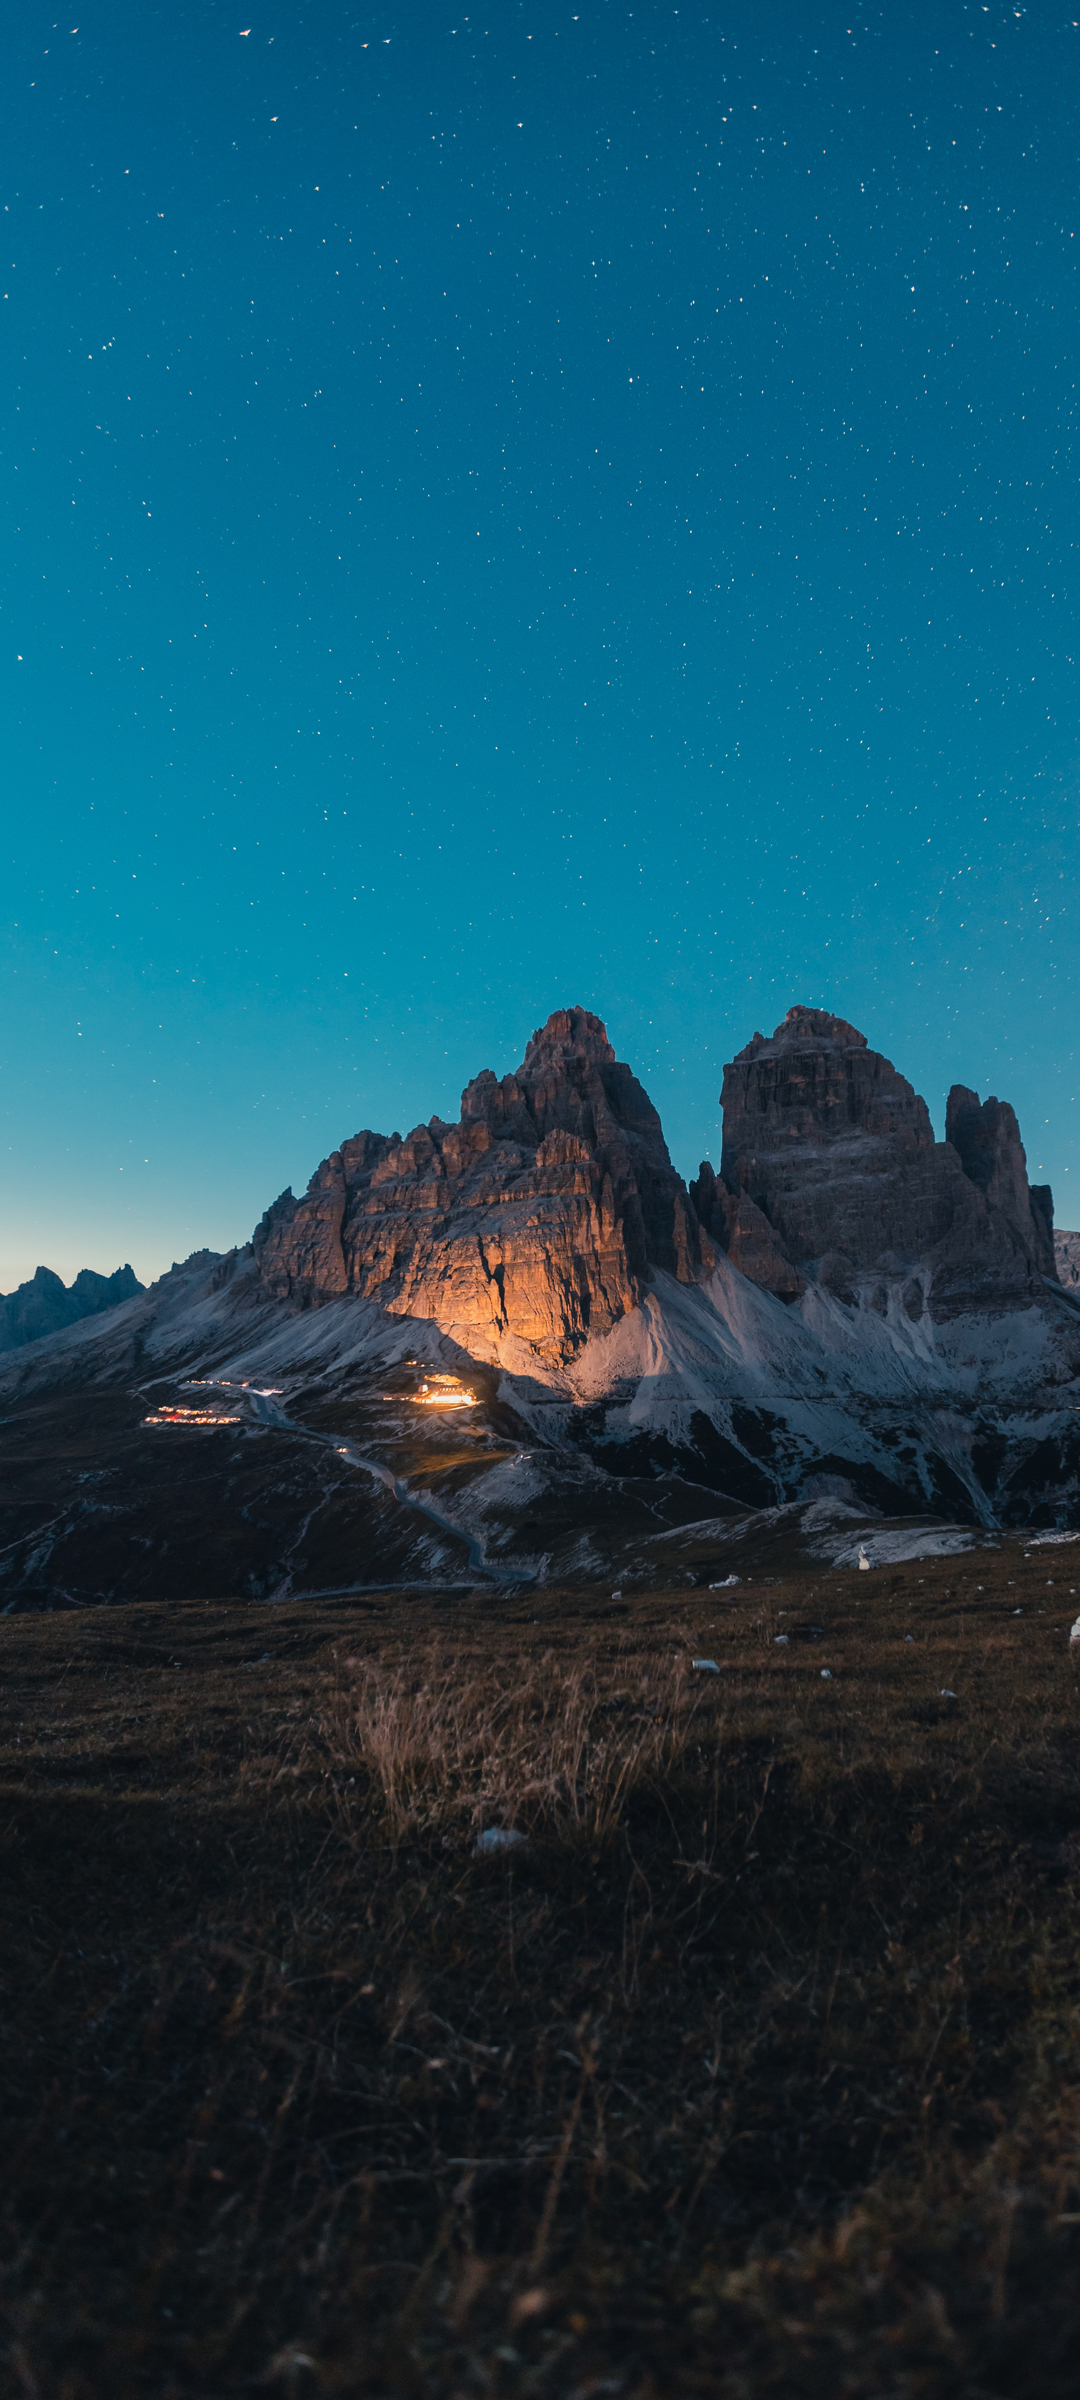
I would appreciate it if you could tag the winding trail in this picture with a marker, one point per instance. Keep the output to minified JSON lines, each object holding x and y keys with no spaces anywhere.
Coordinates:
{"x":263,"y":1407}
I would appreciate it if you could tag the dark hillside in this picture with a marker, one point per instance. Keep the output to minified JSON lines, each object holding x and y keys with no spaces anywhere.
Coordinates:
{"x":754,"y":2069}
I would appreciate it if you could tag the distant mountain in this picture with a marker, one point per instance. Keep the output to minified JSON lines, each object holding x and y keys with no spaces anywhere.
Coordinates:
{"x":519,"y":1346}
{"x":47,"y":1305}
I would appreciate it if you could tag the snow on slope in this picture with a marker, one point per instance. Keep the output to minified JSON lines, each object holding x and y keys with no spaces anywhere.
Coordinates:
{"x":687,"y":1344}
{"x":862,"y":1401}
{"x":864,"y":1385}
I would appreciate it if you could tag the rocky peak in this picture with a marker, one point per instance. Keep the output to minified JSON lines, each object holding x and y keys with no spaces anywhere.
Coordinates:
{"x":986,"y":1138}
{"x":539,"y":1217}
{"x":571,"y":1035}
{"x":814,"y":1080}
{"x":801,"y":1028}
{"x":536,"y":1219}
{"x":569,"y":1078}
{"x":830,"y":1167}
{"x":45,"y":1304}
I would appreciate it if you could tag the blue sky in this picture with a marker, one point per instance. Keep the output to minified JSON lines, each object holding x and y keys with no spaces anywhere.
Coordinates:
{"x":505,"y":510}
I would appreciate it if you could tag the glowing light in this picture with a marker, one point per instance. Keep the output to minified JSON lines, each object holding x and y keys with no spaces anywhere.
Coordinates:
{"x":445,"y":1394}
{"x":189,"y":1416}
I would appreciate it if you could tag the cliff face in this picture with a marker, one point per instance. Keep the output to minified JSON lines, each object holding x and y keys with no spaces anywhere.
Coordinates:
{"x":986,"y":1138}
{"x":1067,"y":1260}
{"x":538,"y":1215}
{"x":46,"y":1305}
{"x":543,"y":1212}
{"x":830,"y":1167}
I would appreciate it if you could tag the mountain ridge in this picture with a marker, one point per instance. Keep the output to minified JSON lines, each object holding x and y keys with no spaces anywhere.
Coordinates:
{"x":539,"y":1216}
{"x":44,"y":1304}
{"x":635,"y":1364}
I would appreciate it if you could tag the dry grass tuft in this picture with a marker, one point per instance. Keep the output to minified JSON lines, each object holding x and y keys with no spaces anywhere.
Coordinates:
{"x":550,"y":1751}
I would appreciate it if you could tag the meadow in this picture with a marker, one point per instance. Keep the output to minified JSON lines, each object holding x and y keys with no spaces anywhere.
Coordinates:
{"x":753,"y":2068}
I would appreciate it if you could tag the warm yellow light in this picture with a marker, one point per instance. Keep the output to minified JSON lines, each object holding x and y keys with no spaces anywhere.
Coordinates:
{"x":447,"y":1399}
{"x":189,"y":1416}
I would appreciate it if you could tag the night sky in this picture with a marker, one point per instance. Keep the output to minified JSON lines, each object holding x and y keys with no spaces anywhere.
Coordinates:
{"x":514,"y":509}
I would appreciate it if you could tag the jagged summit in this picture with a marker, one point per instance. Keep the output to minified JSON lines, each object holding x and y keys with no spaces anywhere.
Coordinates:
{"x":541,"y":1215}
{"x":569,"y":1034}
{"x":568,"y":1080}
{"x":986,"y":1138}
{"x":815,"y":1079}
{"x":536,"y":1219}
{"x":45,"y":1304}
{"x":802,"y":1026}
{"x":830,"y":1168}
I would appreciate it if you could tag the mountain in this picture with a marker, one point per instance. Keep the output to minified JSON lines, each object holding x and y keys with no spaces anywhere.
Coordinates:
{"x":830,"y":1169}
{"x":539,"y":1217}
{"x":46,"y":1305}
{"x":531,"y":1225}
{"x":519,"y":1346}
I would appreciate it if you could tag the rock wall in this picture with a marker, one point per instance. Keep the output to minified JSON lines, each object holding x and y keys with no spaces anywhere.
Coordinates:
{"x":736,"y":1224}
{"x":543,"y":1212}
{"x":1067,"y":1260}
{"x":986,"y":1138}
{"x":538,"y":1215}
{"x":830,"y":1168}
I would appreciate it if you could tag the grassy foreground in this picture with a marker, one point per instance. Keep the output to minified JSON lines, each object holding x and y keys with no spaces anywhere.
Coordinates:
{"x":755,"y":2069}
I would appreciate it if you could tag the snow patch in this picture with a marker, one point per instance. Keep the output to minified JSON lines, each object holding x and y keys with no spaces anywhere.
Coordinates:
{"x":889,"y":1549}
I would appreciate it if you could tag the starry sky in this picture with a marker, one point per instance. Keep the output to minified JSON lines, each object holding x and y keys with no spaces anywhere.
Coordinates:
{"x":519,"y":508}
